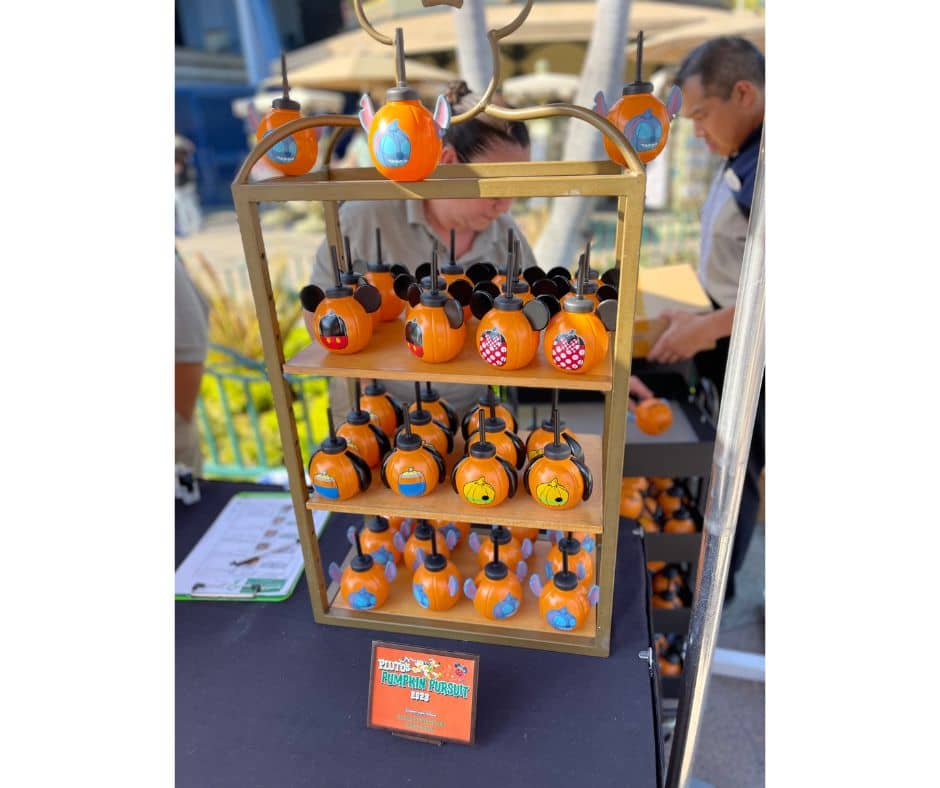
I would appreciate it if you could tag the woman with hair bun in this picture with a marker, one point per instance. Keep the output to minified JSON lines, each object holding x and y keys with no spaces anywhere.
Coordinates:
{"x":410,"y":228}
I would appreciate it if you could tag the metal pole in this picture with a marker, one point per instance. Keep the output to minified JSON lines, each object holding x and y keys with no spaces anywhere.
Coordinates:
{"x":732,"y":443}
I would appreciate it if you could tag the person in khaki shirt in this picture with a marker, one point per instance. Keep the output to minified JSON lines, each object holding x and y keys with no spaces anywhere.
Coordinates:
{"x":411,"y":229}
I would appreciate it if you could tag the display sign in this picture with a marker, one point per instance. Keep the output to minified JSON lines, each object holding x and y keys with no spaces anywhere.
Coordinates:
{"x":426,"y":694}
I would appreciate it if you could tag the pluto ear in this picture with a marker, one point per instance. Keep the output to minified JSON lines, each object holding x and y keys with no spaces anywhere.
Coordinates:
{"x":600,"y":105}
{"x":366,"y":112}
{"x":310,"y":297}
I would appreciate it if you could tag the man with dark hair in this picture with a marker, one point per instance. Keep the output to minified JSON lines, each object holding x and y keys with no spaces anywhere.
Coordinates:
{"x":722,"y":85}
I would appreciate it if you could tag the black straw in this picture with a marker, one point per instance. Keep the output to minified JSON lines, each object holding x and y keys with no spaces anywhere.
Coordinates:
{"x":407,"y":423}
{"x":329,"y":418}
{"x":358,"y":545}
{"x":358,"y":387}
{"x":335,"y":265}
{"x":555,"y":428}
{"x":349,"y":266}
{"x":400,"y":57}
{"x":639,"y":57}
{"x":433,"y":540}
{"x":434,"y":269}
{"x":417,"y":396}
{"x":284,"y":76}
{"x":453,"y":258}
{"x":495,"y":548}
{"x":554,"y":400}
{"x":482,"y":426}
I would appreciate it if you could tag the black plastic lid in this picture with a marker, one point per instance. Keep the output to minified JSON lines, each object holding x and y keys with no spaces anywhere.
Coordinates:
{"x":377,"y":524}
{"x":500,"y":534}
{"x":495,"y":569}
{"x":358,"y":417}
{"x":568,"y":544}
{"x":434,"y":562}
{"x":565,"y":580}
{"x":334,"y":444}
{"x":431,"y":394}
{"x":508,"y":303}
{"x":482,"y":449}
{"x":285,"y":101}
{"x":407,"y":440}
{"x":374,"y":388}
{"x":557,"y":449}
{"x":362,"y":562}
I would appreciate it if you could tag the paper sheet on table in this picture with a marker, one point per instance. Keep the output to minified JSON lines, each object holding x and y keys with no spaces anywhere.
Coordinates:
{"x":250,"y":552}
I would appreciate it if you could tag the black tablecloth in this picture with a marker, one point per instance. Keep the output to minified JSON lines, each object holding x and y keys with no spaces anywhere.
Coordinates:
{"x":267,"y":697}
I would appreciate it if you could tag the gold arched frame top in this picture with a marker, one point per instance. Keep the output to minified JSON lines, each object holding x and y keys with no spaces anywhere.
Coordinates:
{"x":493,"y":36}
{"x":503,"y":113}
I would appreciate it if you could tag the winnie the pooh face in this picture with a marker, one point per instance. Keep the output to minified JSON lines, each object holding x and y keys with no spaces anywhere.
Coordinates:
{"x":552,"y":493}
{"x":479,"y":491}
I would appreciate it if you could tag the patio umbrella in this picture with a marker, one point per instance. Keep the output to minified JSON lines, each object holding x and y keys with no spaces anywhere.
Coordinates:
{"x":541,"y":85}
{"x":310,"y":101}
{"x":360,"y":67}
{"x":670,"y":46}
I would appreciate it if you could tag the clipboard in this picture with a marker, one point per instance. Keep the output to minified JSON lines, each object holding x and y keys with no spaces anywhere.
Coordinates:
{"x":250,"y":553}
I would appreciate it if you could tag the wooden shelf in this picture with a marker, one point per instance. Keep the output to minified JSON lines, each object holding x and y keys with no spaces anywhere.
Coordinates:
{"x":444,"y":503}
{"x":388,"y":357}
{"x":401,"y":603}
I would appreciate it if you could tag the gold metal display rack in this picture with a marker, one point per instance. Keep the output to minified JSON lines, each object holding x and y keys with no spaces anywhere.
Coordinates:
{"x":386,"y":358}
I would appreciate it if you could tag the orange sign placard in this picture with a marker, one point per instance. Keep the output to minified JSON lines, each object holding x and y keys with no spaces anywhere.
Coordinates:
{"x":431,"y":694}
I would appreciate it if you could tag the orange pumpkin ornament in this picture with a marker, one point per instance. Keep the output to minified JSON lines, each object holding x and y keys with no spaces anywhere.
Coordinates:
{"x":497,"y":592}
{"x":648,"y":524}
{"x":434,"y":326}
{"x":576,"y":337}
{"x":653,"y":416}
{"x":643,"y":118}
{"x":508,"y":445}
{"x":639,"y":483}
{"x":382,"y":278}
{"x":297,"y":154}
{"x":336,"y":472}
{"x":364,"y":584}
{"x":431,"y":431}
{"x":670,"y":664}
{"x":508,"y":335}
{"x":542,"y":435}
{"x":631,"y":500}
{"x":680,"y":522}
{"x":362,"y":436}
{"x":439,"y":408}
{"x":339,"y":319}
{"x":556,"y":479}
{"x":469,"y":420}
{"x":459,"y":529}
{"x":482,"y":477}
{"x":386,"y":411}
{"x":564,"y":604}
{"x":670,"y":500}
{"x":580,"y":561}
{"x":512,"y":549}
{"x":436,"y":584}
{"x":419,"y":544}
{"x":404,"y":138}
{"x":378,"y":539}
{"x":412,"y":468}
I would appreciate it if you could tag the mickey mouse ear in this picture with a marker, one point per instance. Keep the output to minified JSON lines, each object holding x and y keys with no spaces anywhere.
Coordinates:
{"x":533,"y":274}
{"x":561,"y":271}
{"x":487,"y":287}
{"x":422,"y":271}
{"x":611,"y":277}
{"x":398,"y":269}
{"x":480,"y":303}
{"x":401,"y":284}
{"x":454,"y":312}
{"x":605,"y":292}
{"x":481,"y":272}
{"x":546,"y":286}
{"x":413,"y":294}
{"x":369,"y":297}
{"x":461,"y":290}
{"x":536,"y":313}
{"x":310,"y":297}
{"x":607,"y":312}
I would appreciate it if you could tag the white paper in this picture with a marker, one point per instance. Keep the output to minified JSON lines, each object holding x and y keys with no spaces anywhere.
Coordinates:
{"x":252,"y":526}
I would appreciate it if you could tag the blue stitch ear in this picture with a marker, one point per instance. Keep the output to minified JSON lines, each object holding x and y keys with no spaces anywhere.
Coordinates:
{"x":581,"y":573}
{"x":334,"y":572}
{"x":526,"y":547}
{"x":474,"y":542}
{"x":522,"y":570}
{"x":600,"y":105}
{"x":451,"y":540}
{"x":535,"y":584}
{"x":453,"y":586}
{"x":441,"y":115}
{"x":594,"y":595}
{"x":399,"y":542}
{"x":405,"y":527}
{"x":366,"y":112}
{"x":351,"y":534}
{"x":390,"y":571}
{"x":419,"y":559}
{"x":548,"y":570}
{"x":469,"y":588}
{"x":674,"y":102}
